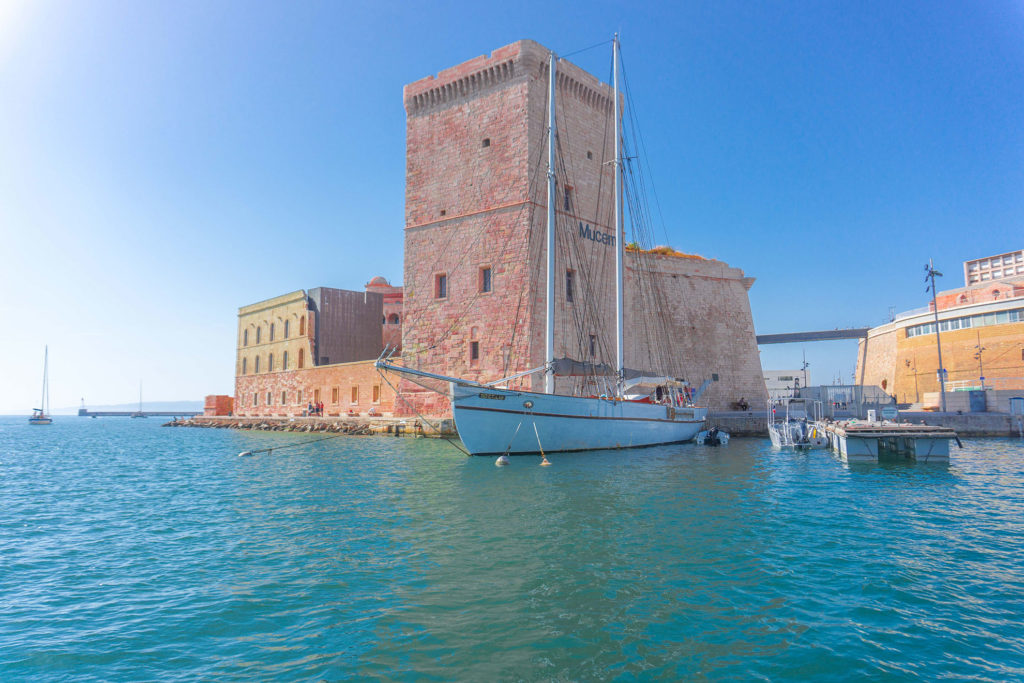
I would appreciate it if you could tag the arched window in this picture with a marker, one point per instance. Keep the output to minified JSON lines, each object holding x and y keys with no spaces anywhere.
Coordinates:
{"x":270,"y":362}
{"x":963,"y":298}
{"x":256,"y":366}
{"x":393,"y":319}
{"x":995,"y":293}
{"x":284,"y":361}
{"x":286,"y":329}
{"x":271,"y":332}
{"x":244,"y":364}
{"x":258,"y":335}
{"x":301,"y":355}
{"x":245,"y":337}
{"x":302,"y":326}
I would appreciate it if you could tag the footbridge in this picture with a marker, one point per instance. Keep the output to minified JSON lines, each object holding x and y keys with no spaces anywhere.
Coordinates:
{"x":822,"y":335}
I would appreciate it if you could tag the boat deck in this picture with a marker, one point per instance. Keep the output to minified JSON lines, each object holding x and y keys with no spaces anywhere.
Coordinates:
{"x":860,"y":441}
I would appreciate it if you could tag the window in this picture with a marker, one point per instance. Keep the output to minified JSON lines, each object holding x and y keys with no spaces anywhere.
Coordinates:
{"x":334,"y":395}
{"x":441,"y":286}
{"x":244,"y":364}
{"x":258,"y":331}
{"x":393,"y":319}
{"x":568,"y":197}
{"x":995,"y":293}
{"x":284,"y":361}
{"x":286,"y":328}
{"x":485,"y":279}
{"x":590,"y":155}
{"x":301,"y":359}
{"x":270,"y":401}
{"x":245,"y":337}
{"x":298,"y":397}
{"x":271,"y":331}
{"x":569,"y":277}
{"x":486,"y":142}
{"x":270,"y":362}
{"x":302,"y":326}
{"x":376,"y":393}
{"x":443,"y":212}
{"x":255,"y":399}
{"x":593,"y":345}
{"x":355,"y":394}
{"x":316,"y":396}
{"x":256,"y":368}
{"x":284,"y":398}
{"x":474,"y":350}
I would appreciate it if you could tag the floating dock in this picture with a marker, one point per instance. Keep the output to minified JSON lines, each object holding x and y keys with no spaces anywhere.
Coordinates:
{"x":859,"y":441}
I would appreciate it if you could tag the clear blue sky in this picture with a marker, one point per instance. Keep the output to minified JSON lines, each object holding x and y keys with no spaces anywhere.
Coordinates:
{"x":163,"y":163}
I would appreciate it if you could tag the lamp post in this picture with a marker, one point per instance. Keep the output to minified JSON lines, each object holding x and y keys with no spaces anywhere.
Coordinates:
{"x":930,"y":273}
{"x":977,"y":357}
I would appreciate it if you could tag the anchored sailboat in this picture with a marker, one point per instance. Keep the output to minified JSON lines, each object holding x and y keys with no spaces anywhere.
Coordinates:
{"x":41,"y":415}
{"x":139,"y":413}
{"x":639,"y":410}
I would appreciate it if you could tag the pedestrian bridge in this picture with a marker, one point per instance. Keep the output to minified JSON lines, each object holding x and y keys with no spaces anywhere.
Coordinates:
{"x":823,"y":335}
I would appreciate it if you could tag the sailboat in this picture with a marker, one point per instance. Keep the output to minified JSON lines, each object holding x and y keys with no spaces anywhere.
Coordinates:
{"x":41,"y":415}
{"x":641,"y":410}
{"x":139,"y":413}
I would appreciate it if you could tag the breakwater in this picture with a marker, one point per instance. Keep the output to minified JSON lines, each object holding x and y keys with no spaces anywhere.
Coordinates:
{"x":367,"y":426}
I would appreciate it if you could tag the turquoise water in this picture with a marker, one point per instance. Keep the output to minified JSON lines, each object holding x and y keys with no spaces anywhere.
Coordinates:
{"x":134,"y":552}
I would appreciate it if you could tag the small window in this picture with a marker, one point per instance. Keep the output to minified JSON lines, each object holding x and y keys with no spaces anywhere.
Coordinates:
{"x":271,"y":331}
{"x":485,"y":279}
{"x":593,"y":345}
{"x":245,"y":337}
{"x":335,"y":395}
{"x":302,"y":326}
{"x":244,"y":364}
{"x":255,"y":399}
{"x":270,"y":400}
{"x":256,"y":367}
{"x":441,"y":286}
{"x":355,"y":394}
{"x":298,"y":397}
{"x":286,"y":328}
{"x":393,"y":319}
{"x":316,"y":396}
{"x":590,"y":155}
{"x":487,"y":142}
{"x":474,"y":350}
{"x":569,"y":277}
{"x":284,"y":398}
{"x":443,"y":212}
{"x":301,"y":358}
{"x":284,"y":360}
{"x":270,"y":362}
{"x":376,"y":393}
{"x":568,"y":198}
{"x":259,"y":330}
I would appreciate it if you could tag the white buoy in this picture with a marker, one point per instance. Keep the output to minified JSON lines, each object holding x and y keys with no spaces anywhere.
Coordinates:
{"x":502,"y":460}
{"x":244,"y":453}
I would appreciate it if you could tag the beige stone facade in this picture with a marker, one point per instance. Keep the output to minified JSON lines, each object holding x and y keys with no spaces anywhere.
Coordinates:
{"x":275,"y":335}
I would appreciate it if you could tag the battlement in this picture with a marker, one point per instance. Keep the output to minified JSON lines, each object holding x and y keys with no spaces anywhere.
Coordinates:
{"x":512,"y":63}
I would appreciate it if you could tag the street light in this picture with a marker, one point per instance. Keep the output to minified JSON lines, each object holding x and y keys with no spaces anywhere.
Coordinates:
{"x":931,"y":273}
{"x":977,"y":357}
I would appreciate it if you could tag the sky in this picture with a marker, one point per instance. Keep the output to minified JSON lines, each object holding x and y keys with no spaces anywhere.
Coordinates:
{"x":163,"y":163}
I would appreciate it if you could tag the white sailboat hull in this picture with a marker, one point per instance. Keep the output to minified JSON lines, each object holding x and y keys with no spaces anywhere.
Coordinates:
{"x":496,"y":421}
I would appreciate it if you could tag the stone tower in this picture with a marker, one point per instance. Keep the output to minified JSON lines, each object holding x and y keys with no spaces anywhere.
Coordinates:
{"x":475,"y":252}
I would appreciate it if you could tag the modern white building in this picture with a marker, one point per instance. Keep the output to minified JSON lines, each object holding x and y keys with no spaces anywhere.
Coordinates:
{"x":782,"y":383}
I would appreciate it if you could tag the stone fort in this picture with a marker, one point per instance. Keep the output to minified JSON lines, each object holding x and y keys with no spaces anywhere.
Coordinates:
{"x":475,"y":253}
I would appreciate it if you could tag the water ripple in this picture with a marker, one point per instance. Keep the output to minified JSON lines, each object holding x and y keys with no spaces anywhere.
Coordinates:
{"x":133,"y":552}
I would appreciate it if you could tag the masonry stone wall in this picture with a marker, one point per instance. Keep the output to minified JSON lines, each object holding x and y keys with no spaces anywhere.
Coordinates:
{"x":287,"y":394}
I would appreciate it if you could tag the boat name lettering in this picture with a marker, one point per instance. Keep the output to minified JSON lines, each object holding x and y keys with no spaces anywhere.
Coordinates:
{"x":587,"y":233}
{"x":498,"y":397}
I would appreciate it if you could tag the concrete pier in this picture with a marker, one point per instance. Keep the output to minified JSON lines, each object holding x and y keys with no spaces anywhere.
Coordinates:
{"x":384,"y":426}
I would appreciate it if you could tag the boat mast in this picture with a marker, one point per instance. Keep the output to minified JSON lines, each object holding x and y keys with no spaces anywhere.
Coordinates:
{"x":619,"y":238}
{"x":549,"y":357}
{"x":44,"y":399}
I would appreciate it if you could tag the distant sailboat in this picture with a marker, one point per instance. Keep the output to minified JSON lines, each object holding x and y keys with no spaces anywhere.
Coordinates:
{"x":41,"y":415}
{"x":139,"y":413}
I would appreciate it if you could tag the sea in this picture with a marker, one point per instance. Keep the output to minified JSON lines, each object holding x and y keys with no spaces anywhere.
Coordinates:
{"x":130,"y":551}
